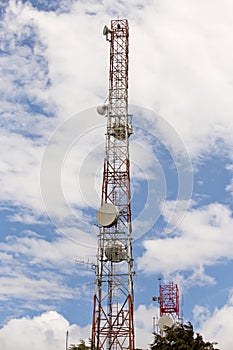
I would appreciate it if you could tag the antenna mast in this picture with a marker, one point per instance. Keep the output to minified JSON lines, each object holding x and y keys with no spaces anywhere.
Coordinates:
{"x":112,"y":325}
{"x":168,"y":304}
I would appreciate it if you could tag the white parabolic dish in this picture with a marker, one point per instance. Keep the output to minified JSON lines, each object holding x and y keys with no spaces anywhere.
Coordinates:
{"x":107,"y":215}
{"x":165,"y":321}
{"x":102,"y":110}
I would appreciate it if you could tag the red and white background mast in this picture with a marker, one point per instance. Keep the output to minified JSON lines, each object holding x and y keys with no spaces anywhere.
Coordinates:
{"x":169,"y":300}
{"x":113,"y":312}
{"x":168,"y":305}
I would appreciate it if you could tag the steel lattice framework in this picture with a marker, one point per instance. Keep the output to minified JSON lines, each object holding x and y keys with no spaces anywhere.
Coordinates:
{"x":112,"y":326}
{"x":169,"y":300}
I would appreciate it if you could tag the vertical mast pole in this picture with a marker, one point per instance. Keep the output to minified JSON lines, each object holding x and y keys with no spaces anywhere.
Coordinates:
{"x":112,"y":326}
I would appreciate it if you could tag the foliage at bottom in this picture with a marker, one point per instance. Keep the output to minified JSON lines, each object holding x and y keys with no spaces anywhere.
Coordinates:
{"x":181,"y":337}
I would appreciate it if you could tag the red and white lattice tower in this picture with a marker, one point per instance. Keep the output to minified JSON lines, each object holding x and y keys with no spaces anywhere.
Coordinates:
{"x":113,"y":312}
{"x":169,"y":300}
{"x":168,"y":305}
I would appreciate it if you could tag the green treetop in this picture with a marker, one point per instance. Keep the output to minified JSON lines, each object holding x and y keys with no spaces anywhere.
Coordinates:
{"x":181,"y":337}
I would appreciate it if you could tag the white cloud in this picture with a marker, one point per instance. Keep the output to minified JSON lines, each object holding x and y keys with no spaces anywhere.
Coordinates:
{"x":25,"y":216}
{"x":144,"y":316}
{"x":47,"y":331}
{"x":183,"y":69}
{"x":229,"y":167}
{"x":22,"y":287}
{"x":60,"y":252}
{"x":229,"y":187}
{"x":217,"y":327}
{"x":197,"y":243}
{"x":201,"y":314}
{"x":36,"y":273}
{"x":19,"y":172}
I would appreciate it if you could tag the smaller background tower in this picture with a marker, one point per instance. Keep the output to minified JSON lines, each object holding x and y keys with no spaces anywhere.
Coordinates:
{"x":168,"y":305}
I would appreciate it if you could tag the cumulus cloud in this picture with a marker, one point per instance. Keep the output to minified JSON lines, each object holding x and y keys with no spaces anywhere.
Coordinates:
{"x":47,"y":331}
{"x":198,"y":242}
{"x":184,"y":67}
{"x":217,"y":326}
{"x":144,"y":316}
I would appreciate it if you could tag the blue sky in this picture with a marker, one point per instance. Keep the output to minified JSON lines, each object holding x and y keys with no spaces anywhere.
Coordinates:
{"x":54,"y":72}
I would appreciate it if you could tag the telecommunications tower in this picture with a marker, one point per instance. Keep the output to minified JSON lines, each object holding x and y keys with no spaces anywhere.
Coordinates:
{"x":113,"y":320}
{"x":168,"y":305}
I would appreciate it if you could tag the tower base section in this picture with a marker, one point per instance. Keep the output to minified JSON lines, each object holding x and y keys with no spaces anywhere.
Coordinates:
{"x":113,"y":329}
